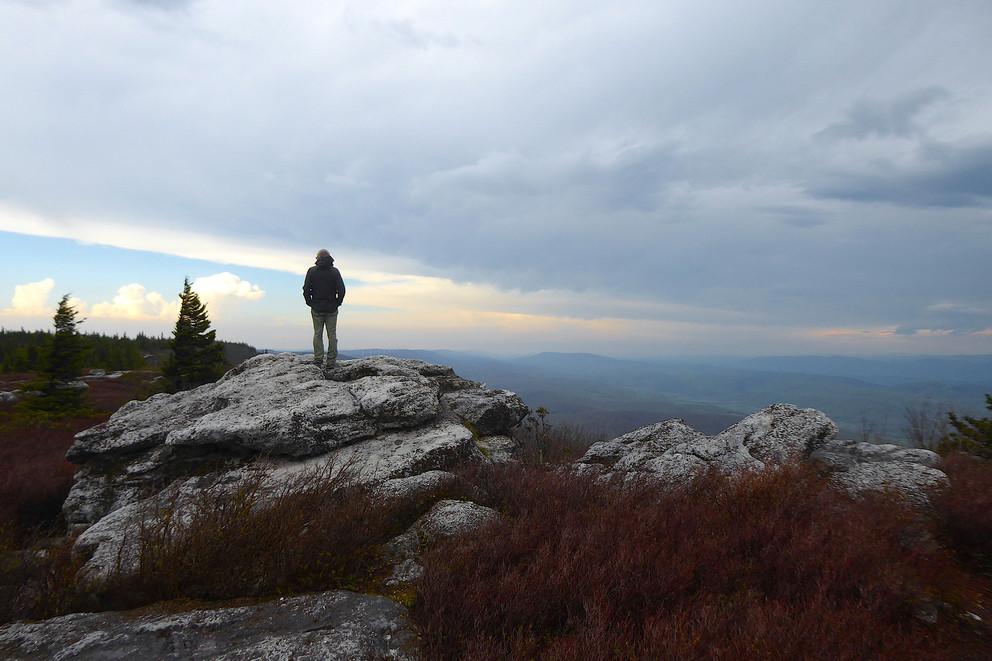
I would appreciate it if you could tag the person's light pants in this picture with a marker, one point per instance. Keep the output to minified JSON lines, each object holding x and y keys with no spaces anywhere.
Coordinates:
{"x":322,"y":320}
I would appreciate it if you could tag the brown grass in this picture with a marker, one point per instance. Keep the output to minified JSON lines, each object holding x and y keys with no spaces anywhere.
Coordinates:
{"x":319,"y":531}
{"x":774,"y":565}
{"x":552,"y":443}
{"x":39,"y":580}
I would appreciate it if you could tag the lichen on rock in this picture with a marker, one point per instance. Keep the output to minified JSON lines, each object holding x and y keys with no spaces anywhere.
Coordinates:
{"x":383,"y":418}
{"x":672,"y":451}
{"x":329,"y":625}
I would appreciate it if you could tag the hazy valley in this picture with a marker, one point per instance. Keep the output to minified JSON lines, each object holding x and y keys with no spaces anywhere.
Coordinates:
{"x":610,"y":396}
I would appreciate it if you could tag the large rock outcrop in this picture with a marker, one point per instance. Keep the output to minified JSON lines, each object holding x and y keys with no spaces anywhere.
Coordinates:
{"x":386,"y":419}
{"x":672,"y":451}
{"x":330,"y":625}
{"x":405,"y":414}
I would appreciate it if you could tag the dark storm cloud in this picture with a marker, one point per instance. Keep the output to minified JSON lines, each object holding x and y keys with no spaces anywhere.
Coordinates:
{"x":941,"y":175}
{"x":726,"y":156}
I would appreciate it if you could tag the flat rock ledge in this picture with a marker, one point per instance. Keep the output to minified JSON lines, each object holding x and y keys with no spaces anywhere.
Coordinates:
{"x":329,"y":625}
{"x":389,"y":420}
{"x":672,"y":451}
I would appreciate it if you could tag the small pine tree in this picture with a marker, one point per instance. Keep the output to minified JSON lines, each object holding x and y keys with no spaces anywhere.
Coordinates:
{"x":972,"y":435}
{"x":197,"y":357}
{"x":62,"y":361}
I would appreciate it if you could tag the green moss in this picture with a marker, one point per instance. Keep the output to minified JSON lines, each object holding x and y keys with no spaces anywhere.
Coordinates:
{"x":472,"y":428}
{"x":406,"y":596}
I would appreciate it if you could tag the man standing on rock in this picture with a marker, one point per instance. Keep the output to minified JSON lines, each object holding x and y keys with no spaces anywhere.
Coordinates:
{"x":323,"y":290}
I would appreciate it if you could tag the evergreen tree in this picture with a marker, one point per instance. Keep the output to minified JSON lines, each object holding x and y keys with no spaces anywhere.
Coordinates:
{"x":197,"y":357}
{"x":62,"y":361}
{"x":970,"y":434}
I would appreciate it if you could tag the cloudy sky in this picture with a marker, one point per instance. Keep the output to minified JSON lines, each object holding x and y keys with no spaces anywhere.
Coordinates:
{"x":633,"y":177}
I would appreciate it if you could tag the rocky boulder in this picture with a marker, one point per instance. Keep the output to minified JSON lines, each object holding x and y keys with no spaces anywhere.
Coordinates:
{"x":406,"y":415}
{"x":386,"y":419}
{"x":861,"y":467}
{"x":330,"y":625}
{"x":447,"y":518}
{"x":672,"y":451}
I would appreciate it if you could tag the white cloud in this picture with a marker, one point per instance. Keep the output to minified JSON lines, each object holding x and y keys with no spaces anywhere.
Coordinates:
{"x":134,"y":302}
{"x":32,"y":299}
{"x":226,"y":284}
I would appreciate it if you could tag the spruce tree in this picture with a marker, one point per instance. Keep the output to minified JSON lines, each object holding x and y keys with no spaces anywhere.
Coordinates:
{"x":62,"y":361}
{"x":970,"y":434}
{"x":197,"y":357}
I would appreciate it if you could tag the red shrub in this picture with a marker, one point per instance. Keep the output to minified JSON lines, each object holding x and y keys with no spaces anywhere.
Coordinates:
{"x":108,"y":395}
{"x":34,"y":475}
{"x":776,"y":564}
{"x":964,"y":509}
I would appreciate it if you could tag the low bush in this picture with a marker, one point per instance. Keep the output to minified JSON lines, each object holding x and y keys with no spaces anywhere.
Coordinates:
{"x":38,"y":581}
{"x":34,"y":475}
{"x":964,"y":509}
{"x":318,"y":531}
{"x":543,"y":442}
{"x":771,"y":565}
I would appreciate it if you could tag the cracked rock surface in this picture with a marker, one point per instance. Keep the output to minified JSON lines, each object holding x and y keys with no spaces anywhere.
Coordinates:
{"x":861,"y":467}
{"x":329,"y":625}
{"x":673,"y":451}
{"x":386,"y":419}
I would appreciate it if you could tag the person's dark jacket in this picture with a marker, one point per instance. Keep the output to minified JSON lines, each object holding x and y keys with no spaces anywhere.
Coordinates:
{"x":323,"y":289}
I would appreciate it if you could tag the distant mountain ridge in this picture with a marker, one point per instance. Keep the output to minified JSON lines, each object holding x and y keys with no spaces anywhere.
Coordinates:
{"x":615,"y":395}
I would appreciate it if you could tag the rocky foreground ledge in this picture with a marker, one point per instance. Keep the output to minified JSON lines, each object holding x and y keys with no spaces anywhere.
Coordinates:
{"x":328,"y":625}
{"x":399,"y":425}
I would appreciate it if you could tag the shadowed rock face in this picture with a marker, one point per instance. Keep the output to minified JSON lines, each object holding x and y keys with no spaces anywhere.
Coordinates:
{"x":673,"y":451}
{"x":330,"y":625}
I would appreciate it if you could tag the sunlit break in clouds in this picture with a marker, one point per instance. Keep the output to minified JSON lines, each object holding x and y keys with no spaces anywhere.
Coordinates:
{"x":625,"y":178}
